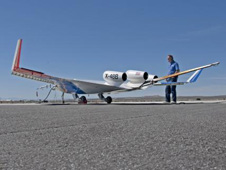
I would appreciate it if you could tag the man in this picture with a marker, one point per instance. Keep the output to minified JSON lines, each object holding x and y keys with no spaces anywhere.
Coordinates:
{"x":173,"y":68}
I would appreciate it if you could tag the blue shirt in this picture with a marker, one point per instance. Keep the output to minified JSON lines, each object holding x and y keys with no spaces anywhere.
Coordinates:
{"x":173,"y":67}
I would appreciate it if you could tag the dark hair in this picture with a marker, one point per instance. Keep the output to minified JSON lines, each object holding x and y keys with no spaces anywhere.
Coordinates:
{"x":171,"y":56}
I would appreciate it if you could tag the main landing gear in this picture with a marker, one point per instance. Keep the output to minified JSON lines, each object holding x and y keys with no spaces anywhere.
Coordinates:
{"x":81,"y":100}
{"x":107,"y":99}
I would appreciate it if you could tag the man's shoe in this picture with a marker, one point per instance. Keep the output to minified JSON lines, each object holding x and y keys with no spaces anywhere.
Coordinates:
{"x":173,"y":102}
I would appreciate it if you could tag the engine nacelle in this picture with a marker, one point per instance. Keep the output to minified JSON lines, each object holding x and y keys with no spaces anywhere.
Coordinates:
{"x":135,"y":76}
{"x":152,"y":77}
{"x":114,"y":77}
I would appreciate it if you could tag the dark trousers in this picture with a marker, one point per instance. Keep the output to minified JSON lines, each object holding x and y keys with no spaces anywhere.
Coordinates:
{"x":171,"y":89}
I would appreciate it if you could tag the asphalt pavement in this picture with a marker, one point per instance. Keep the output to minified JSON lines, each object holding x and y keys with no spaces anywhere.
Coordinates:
{"x":185,"y":136}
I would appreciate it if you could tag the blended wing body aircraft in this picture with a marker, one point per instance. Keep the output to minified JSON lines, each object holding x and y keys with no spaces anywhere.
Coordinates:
{"x":114,"y":81}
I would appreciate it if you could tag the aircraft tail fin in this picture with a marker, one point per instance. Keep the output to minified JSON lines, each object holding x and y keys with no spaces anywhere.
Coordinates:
{"x":16,"y":61}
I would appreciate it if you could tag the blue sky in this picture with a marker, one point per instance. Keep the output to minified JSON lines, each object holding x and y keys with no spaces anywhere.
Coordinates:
{"x":83,"y":38}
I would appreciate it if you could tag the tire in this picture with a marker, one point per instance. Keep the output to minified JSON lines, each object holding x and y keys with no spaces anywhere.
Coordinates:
{"x":83,"y":99}
{"x":108,"y":100}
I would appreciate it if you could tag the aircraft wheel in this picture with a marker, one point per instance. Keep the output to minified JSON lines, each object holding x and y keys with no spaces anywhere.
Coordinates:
{"x":83,"y":100}
{"x":108,"y":100}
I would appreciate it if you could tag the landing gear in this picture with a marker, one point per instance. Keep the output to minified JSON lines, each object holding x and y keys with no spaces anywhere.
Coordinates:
{"x":75,"y":96}
{"x":82,"y":100}
{"x":63,"y":98}
{"x":107,"y":99}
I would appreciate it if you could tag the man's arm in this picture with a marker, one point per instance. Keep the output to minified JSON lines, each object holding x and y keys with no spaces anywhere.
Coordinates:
{"x":177,"y":68}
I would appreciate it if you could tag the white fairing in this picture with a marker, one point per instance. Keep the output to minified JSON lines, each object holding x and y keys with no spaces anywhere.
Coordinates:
{"x":136,"y":76}
{"x":114,"y":77}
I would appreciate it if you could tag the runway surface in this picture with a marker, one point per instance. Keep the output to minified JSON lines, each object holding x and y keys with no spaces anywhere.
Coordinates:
{"x":185,"y":136}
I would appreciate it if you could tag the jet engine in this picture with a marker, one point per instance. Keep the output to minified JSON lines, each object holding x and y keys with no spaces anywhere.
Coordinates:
{"x":136,"y":76}
{"x":114,"y":77}
{"x":152,"y":77}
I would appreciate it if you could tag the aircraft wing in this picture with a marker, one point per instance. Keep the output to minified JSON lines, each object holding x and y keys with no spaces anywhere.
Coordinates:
{"x":91,"y":87}
{"x":192,"y":79}
{"x":27,"y":73}
{"x":186,"y":71}
{"x":62,"y":84}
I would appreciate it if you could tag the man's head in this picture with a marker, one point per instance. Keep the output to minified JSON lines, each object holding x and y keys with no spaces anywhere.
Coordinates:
{"x":170,"y":58}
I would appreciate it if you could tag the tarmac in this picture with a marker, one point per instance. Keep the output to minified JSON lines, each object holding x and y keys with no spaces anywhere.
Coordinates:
{"x":189,"y":135}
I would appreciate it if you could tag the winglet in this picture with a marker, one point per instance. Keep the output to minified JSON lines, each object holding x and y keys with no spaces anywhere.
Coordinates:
{"x":195,"y":76}
{"x":16,"y":61}
{"x":215,"y":64}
